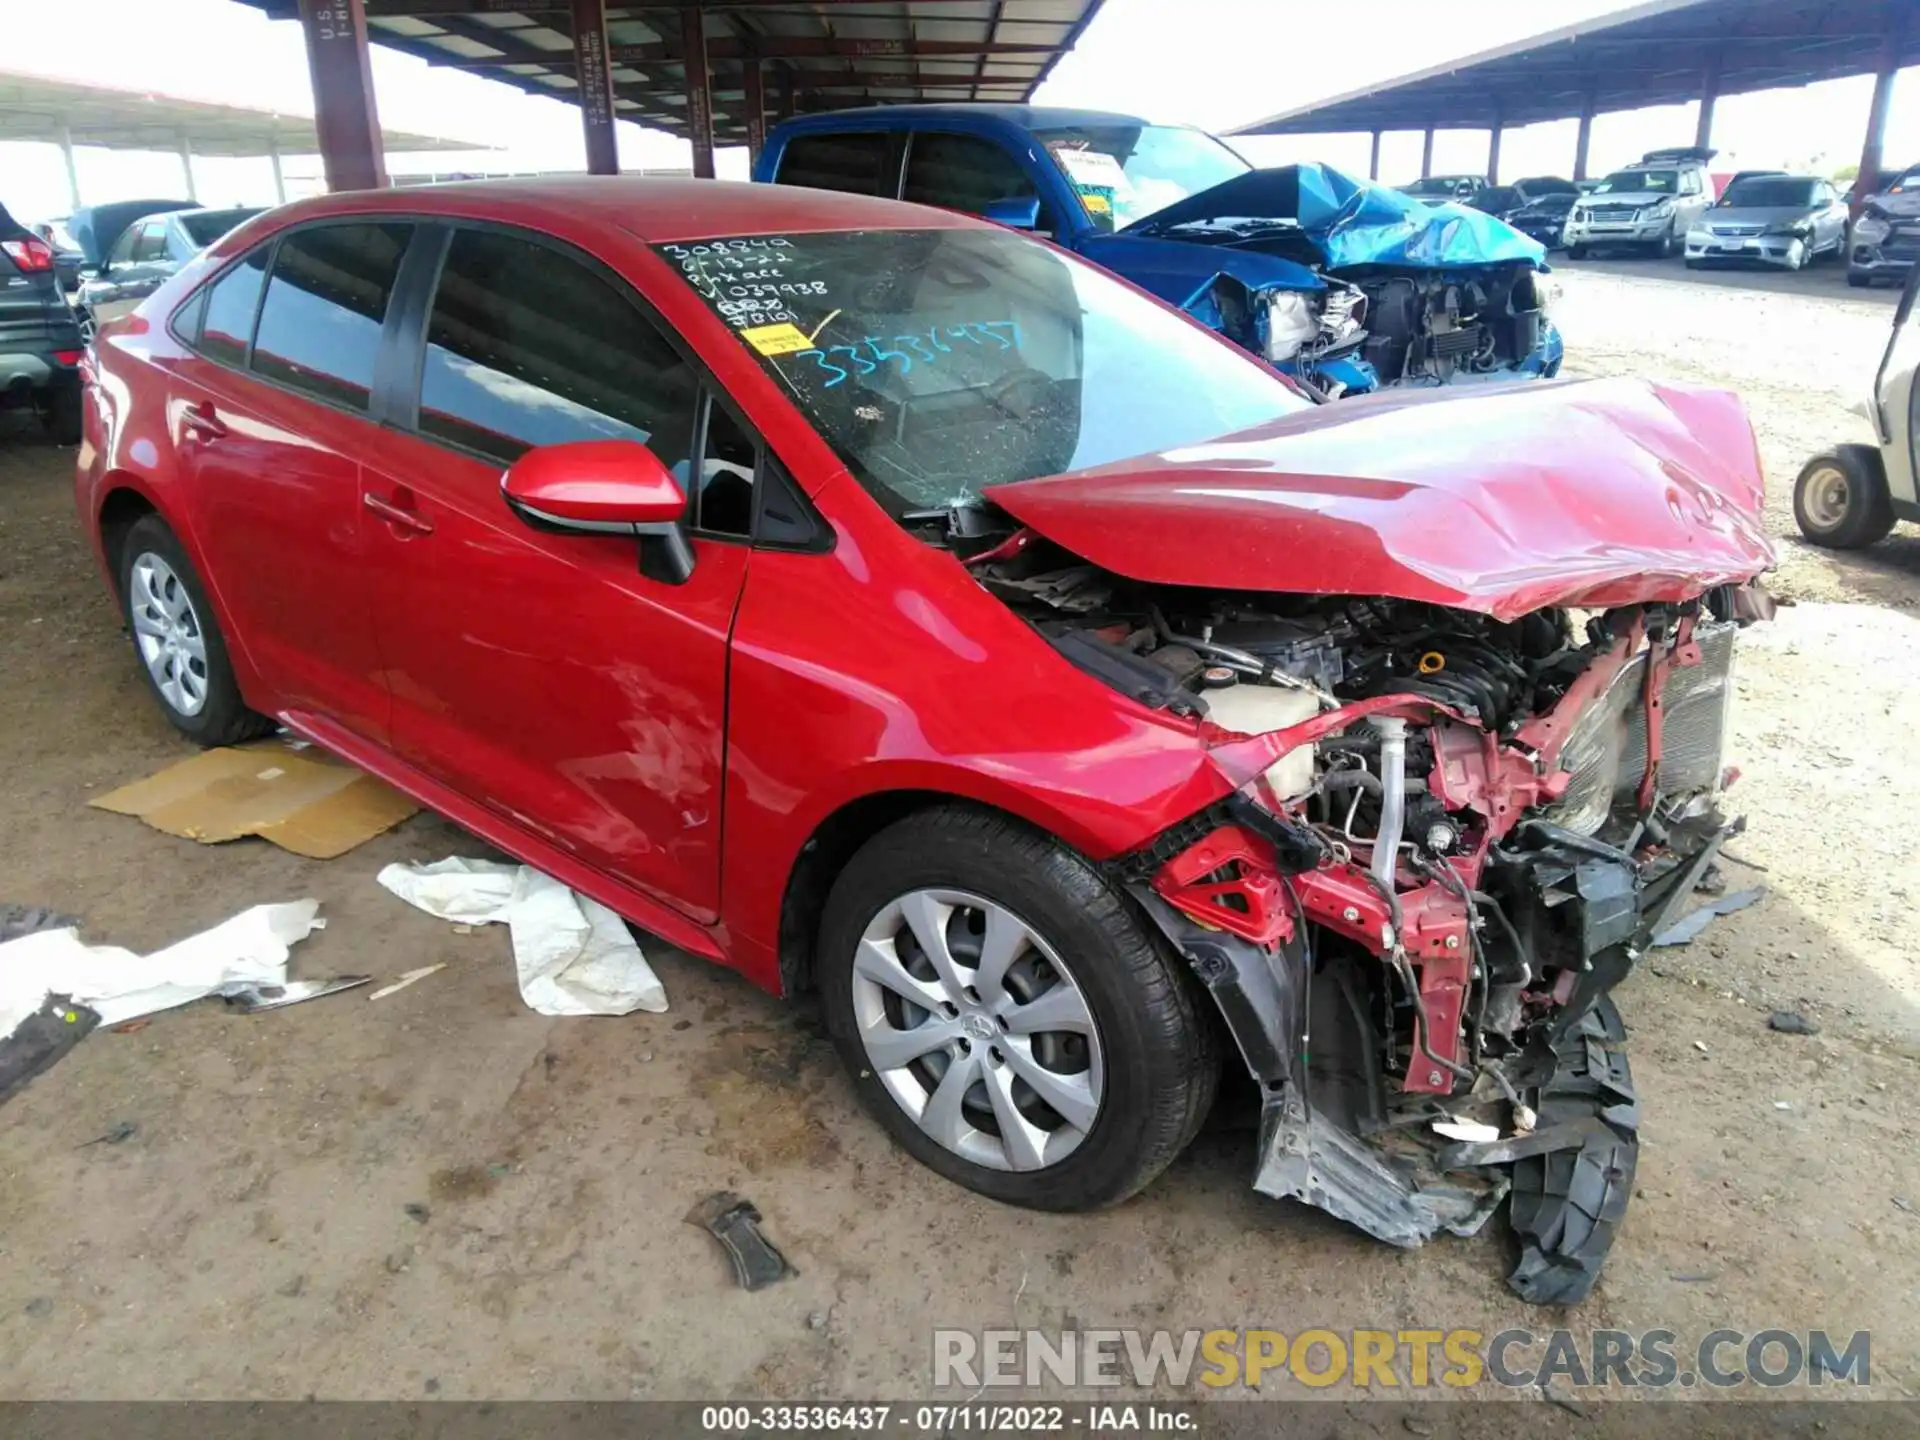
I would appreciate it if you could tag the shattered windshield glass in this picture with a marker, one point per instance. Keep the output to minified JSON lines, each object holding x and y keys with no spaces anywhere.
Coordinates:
{"x":1778,"y":193}
{"x":1639,"y":182}
{"x":1123,"y":173}
{"x":940,"y":362}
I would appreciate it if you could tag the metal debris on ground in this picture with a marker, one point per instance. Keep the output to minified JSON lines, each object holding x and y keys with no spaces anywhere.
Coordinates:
{"x":407,"y":979}
{"x":255,"y":998}
{"x":1792,"y":1022}
{"x":18,"y":920}
{"x":735,"y":1223}
{"x":1689,"y":926}
{"x":120,"y":1133}
{"x":415,"y":1211}
{"x":37,"y":1040}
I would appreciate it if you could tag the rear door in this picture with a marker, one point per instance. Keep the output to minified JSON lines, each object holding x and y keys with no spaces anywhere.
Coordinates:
{"x":542,"y":675}
{"x":135,"y":268}
{"x":967,"y":173}
{"x":271,"y":417}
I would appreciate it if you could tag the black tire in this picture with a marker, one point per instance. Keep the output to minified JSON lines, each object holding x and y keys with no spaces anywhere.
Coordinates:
{"x":1693,"y":264}
{"x":60,"y":413}
{"x":1576,"y":252}
{"x":1667,"y":246}
{"x":1159,"y":1038}
{"x":1859,"y":280}
{"x":1867,"y":512}
{"x":223,"y":718}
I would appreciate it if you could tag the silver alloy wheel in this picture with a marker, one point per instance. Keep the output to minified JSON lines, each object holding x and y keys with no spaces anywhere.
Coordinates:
{"x":168,"y":633}
{"x":977,"y":1030}
{"x":1826,"y":496}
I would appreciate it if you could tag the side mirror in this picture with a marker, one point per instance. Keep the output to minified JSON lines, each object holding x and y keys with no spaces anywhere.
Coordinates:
{"x":605,"y":487}
{"x":1015,"y":212}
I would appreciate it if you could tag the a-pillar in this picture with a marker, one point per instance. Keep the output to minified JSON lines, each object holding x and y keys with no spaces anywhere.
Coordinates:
{"x":1585,"y":143}
{"x":593,"y":64}
{"x":756,"y":102}
{"x":1373,"y":163}
{"x":344,"y":113}
{"x":693,"y":56}
{"x":1870,"y":149}
{"x":1426,"y":155}
{"x":1709,"y":95}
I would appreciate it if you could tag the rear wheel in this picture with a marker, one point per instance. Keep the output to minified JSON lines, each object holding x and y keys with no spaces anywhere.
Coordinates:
{"x":1576,"y":252}
{"x":1859,"y":279}
{"x":1841,"y":500}
{"x":1008,"y":1017}
{"x":177,"y":641}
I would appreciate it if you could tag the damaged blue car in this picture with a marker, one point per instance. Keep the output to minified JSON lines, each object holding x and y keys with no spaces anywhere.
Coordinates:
{"x":1347,"y":284}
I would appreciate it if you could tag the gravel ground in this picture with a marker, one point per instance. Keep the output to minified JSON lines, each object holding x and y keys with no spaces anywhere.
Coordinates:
{"x":251,"y":1238}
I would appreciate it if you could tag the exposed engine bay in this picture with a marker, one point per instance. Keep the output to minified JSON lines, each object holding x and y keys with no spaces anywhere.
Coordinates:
{"x":1451,"y":837}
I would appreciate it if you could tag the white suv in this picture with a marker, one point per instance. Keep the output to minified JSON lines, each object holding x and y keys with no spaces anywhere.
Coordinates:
{"x":1651,"y":205}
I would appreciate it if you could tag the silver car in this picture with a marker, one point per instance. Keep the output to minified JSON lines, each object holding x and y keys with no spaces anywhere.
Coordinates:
{"x":1650,"y":206}
{"x":1851,"y":495}
{"x":1782,"y":220}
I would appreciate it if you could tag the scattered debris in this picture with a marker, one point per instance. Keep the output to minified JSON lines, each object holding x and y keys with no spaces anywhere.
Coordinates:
{"x":120,"y":1133}
{"x":1688,"y":926}
{"x":301,"y":799}
{"x":1792,"y":1022}
{"x":1900,"y":1202}
{"x":255,"y":998}
{"x":1414,"y":1425}
{"x":1557,"y":1397}
{"x":399,"y":1260}
{"x":39,"y":1307}
{"x":132,"y":1027}
{"x":1783,"y":1105}
{"x":1699,"y":1279}
{"x":735,"y":1223}
{"x":35,"y":1041}
{"x":816,"y":1319}
{"x":415,"y":1211}
{"x":1701,"y":1046}
{"x":407,"y":979}
{"x":573,"y":955}
{"x":18,"y":920}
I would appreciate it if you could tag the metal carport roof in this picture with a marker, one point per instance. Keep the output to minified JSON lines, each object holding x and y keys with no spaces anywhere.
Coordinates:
{"x":815,"y":54}
{"x":1664,"y":52}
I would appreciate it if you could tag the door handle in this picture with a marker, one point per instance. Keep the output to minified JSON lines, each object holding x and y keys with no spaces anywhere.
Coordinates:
{"x":201,"y":420}
{"x":402,"y":516}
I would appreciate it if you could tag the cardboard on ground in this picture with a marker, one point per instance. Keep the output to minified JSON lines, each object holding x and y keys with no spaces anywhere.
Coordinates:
{"x":302,"y":800}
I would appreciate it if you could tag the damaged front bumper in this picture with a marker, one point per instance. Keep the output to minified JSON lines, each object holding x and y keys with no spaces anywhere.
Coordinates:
{"x":1427,"y":1049}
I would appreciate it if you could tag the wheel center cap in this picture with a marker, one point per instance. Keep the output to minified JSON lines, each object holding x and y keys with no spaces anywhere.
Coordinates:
{"x":979,"y":1026}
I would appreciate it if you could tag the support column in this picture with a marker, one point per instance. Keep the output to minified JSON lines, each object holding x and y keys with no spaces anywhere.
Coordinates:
{"x":186,"y":164}
{"x":1709,"y":95}
{"x":1493,"y":151}
{"x":784,"y":94}
{"x":1585,"y":142}
{"x":1426,"y":155}
{"x":73,"y":170}
{"x":1373,"y":165}
{"x":279,"y":175}
{"x":593,"y":65}
{"x":344,"y":112}
{"x":756,"y":108}
{"x":1870,"y":149}
{"x":693,"y":52}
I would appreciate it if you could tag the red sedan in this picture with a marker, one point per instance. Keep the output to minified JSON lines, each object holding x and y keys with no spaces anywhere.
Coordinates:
{"x":890,"y":605}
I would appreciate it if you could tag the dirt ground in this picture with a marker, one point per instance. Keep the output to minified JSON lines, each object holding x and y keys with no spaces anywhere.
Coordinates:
{"x":250,"y":1238}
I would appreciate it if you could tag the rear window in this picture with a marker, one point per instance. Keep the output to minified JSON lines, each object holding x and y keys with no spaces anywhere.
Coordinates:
{"x":326,"y":302}
{"x":856,"y":162}
{"x":231,"y":303}
{"x":962,"y":172}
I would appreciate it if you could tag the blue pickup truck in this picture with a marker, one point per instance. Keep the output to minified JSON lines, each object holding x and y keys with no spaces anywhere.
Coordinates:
{"x":1347,"y":284}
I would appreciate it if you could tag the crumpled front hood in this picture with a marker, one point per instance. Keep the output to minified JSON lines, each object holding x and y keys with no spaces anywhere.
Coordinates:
{"x":1504,"y":499}
{"x":1351,"y":221}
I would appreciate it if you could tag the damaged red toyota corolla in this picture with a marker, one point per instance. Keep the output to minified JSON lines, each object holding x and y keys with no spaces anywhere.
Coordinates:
{"x":889,"y":605}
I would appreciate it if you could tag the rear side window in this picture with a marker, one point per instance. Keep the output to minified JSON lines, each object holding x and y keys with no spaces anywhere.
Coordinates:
{"x":962,"y":172}
{"x":527,"y":346}
{"x":152,"y":244}
{"x":326,"y":301}
{"x":231,"y":303}
{"x":856,"y":162}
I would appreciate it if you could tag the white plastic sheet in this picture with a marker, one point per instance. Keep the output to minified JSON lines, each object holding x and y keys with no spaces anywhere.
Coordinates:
{"x":250,"y":949}
{"x":573,"y":955}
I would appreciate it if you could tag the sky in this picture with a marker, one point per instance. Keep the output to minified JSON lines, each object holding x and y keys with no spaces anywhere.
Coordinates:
{"x":1217,"y":64}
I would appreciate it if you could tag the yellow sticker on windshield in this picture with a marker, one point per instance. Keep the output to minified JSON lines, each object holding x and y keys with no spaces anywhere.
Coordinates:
{"x":782,"y":339}
{"x":1096,"y":203}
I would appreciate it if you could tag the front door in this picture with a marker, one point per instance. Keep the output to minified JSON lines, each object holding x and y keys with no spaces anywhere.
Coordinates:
{"x":541,"y":674}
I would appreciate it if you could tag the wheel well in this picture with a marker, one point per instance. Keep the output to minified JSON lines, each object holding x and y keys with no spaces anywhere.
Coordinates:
{"x":826,"y":854}
{"x":122,"y":510}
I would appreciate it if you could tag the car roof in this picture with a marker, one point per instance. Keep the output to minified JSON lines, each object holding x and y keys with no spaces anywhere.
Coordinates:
{"x":1025,"y":117}
{"x":655,"y":209}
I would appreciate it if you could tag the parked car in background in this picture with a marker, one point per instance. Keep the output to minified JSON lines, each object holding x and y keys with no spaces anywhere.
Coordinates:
{"x":1788,"y":221}
{"x":1885,"y":240}
{"x":67,"y":257}
{"x":1506,"y":201}
{"x":40,"y":343}
{"x":146,"y":253}
{"x":1650,"y":206}
{"x":1438,"y":189}
{"x":1545,"y":219}
{"x":890,"y":606}
{"x":1347,"y":284}
{"x":1852,"y":495}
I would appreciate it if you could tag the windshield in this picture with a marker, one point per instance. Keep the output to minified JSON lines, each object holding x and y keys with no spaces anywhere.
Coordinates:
{"x":1636,"y":182}
{"x":1501,"y":197}
{"x":1443,"y":185}
{"x":940,"y":362}
{"x":203,"y":227}
{"x":1774,"y":193}
{"x":1123,"y":173}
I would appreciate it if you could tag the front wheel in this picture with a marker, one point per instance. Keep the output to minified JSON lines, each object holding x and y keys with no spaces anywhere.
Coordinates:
{"x":1840,"y":500}
{"x":1576,"y":252}
{"x":1667,"y":246}
{"x":1008,"y":1017}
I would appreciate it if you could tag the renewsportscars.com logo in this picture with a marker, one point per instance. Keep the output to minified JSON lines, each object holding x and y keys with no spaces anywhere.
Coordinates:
{"x":1377,"y":1360}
